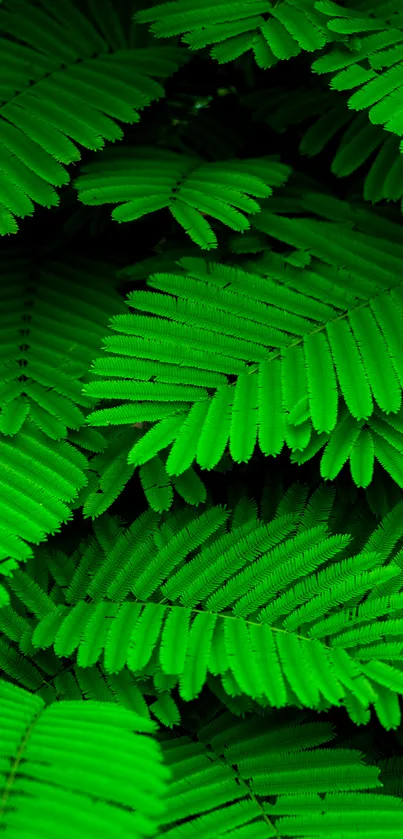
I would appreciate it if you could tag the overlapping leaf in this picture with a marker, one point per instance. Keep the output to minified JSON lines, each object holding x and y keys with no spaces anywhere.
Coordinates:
{"x":258,"y":606}
{"x":142,"y":180}
{"x":324,"y":118}
{"x":52,"y":319}
{"x":281,"y":778}
{"x":273,"y":31}
{"x":369,"y":33}
{"x":55,"y":778}
{"x":379,"y":42}
{"x":62,"y":83}
{"x":110,"y":472}
{"x":315,"y":351}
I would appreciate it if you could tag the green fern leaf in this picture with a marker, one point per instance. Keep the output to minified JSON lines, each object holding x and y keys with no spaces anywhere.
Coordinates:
{"x":194,"y":672}
{"x":19,"y":668}
{"x":156,"y":484}
{"x":389,"y":457}
{"x":145,"y":635}
{"x":215,"y":33}
{"x":99,"y":78}
{"x":275,"y":584}
{"x":236,"y":762}
{"x":250,"y":315}
{"x":166,"y":710}
{"x":70,"y":632}
{"x":264,"y":55}
{"x":94,"y":636}
{"x":13,"y":416}
{"x":174,"y":641}
{"x":124,"y":807}
{"x":240,"y":658}
{"x":158,"y":438}
{"x":362,"y":458}
{"x":243,"y":434}
{"x":120,"y":632}
{"x":379,"y":92}
{"x":237,"y":27}
{"x":387,"y":707}
{"x":33,"y":468}
{"x":351,"y":26}
{"x":210,"y":447}
{"x":184,"y":449}
{"x":356,"y":149}
{"x":174,"y":18}
{"x":194,"y":224}
{"x":122,"y":177}
{"x":233,"y":48}
{"x":322,"y":383}
{"x":307,"y":35}
{"x":271,"y":432}
{"x":190,"y":487}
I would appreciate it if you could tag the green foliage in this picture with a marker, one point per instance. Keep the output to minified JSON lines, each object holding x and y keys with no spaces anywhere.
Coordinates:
{"x":239,"y":601}
{"x":57,"y":777}
{"x":273,"y":31}
{"x":186,"y":185}
{"x":63,"y":309}
{"x":61,"y":57}
{"x":291,"y":354}
{"x":201,"y":460}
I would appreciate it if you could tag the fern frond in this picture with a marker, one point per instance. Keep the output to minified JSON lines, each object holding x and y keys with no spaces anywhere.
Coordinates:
{"x":378,"y":96}
{"x":72,"y":94}
{"x":380,"y":92}
{"x":51,"y":771}
{"x":60,"y":341}
{"x":184,"y":184}
{"x":305,"y":338}
{"x":287,"y":28}
{"x":156,"y":484}
{"x":42,"y":472}
{"x":39,"y":477}
{"x":233,"y":762}
{"x":277,"y":586}
{"x":358,"y":142}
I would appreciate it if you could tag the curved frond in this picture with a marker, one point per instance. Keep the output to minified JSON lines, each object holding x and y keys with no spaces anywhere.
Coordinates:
{"x":380,"y":87}
{"x":39,"y":480}
{"x":98,"y":79}
{"x":287,"y":28}
{"x":42,"y":471}
{"x":305,"y":785}
{"x":54,"y":758}
{"x":310,"y":352}
{"x":186,"y":185}
{"x":60,"y":340}
{"x":259,"y":605}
